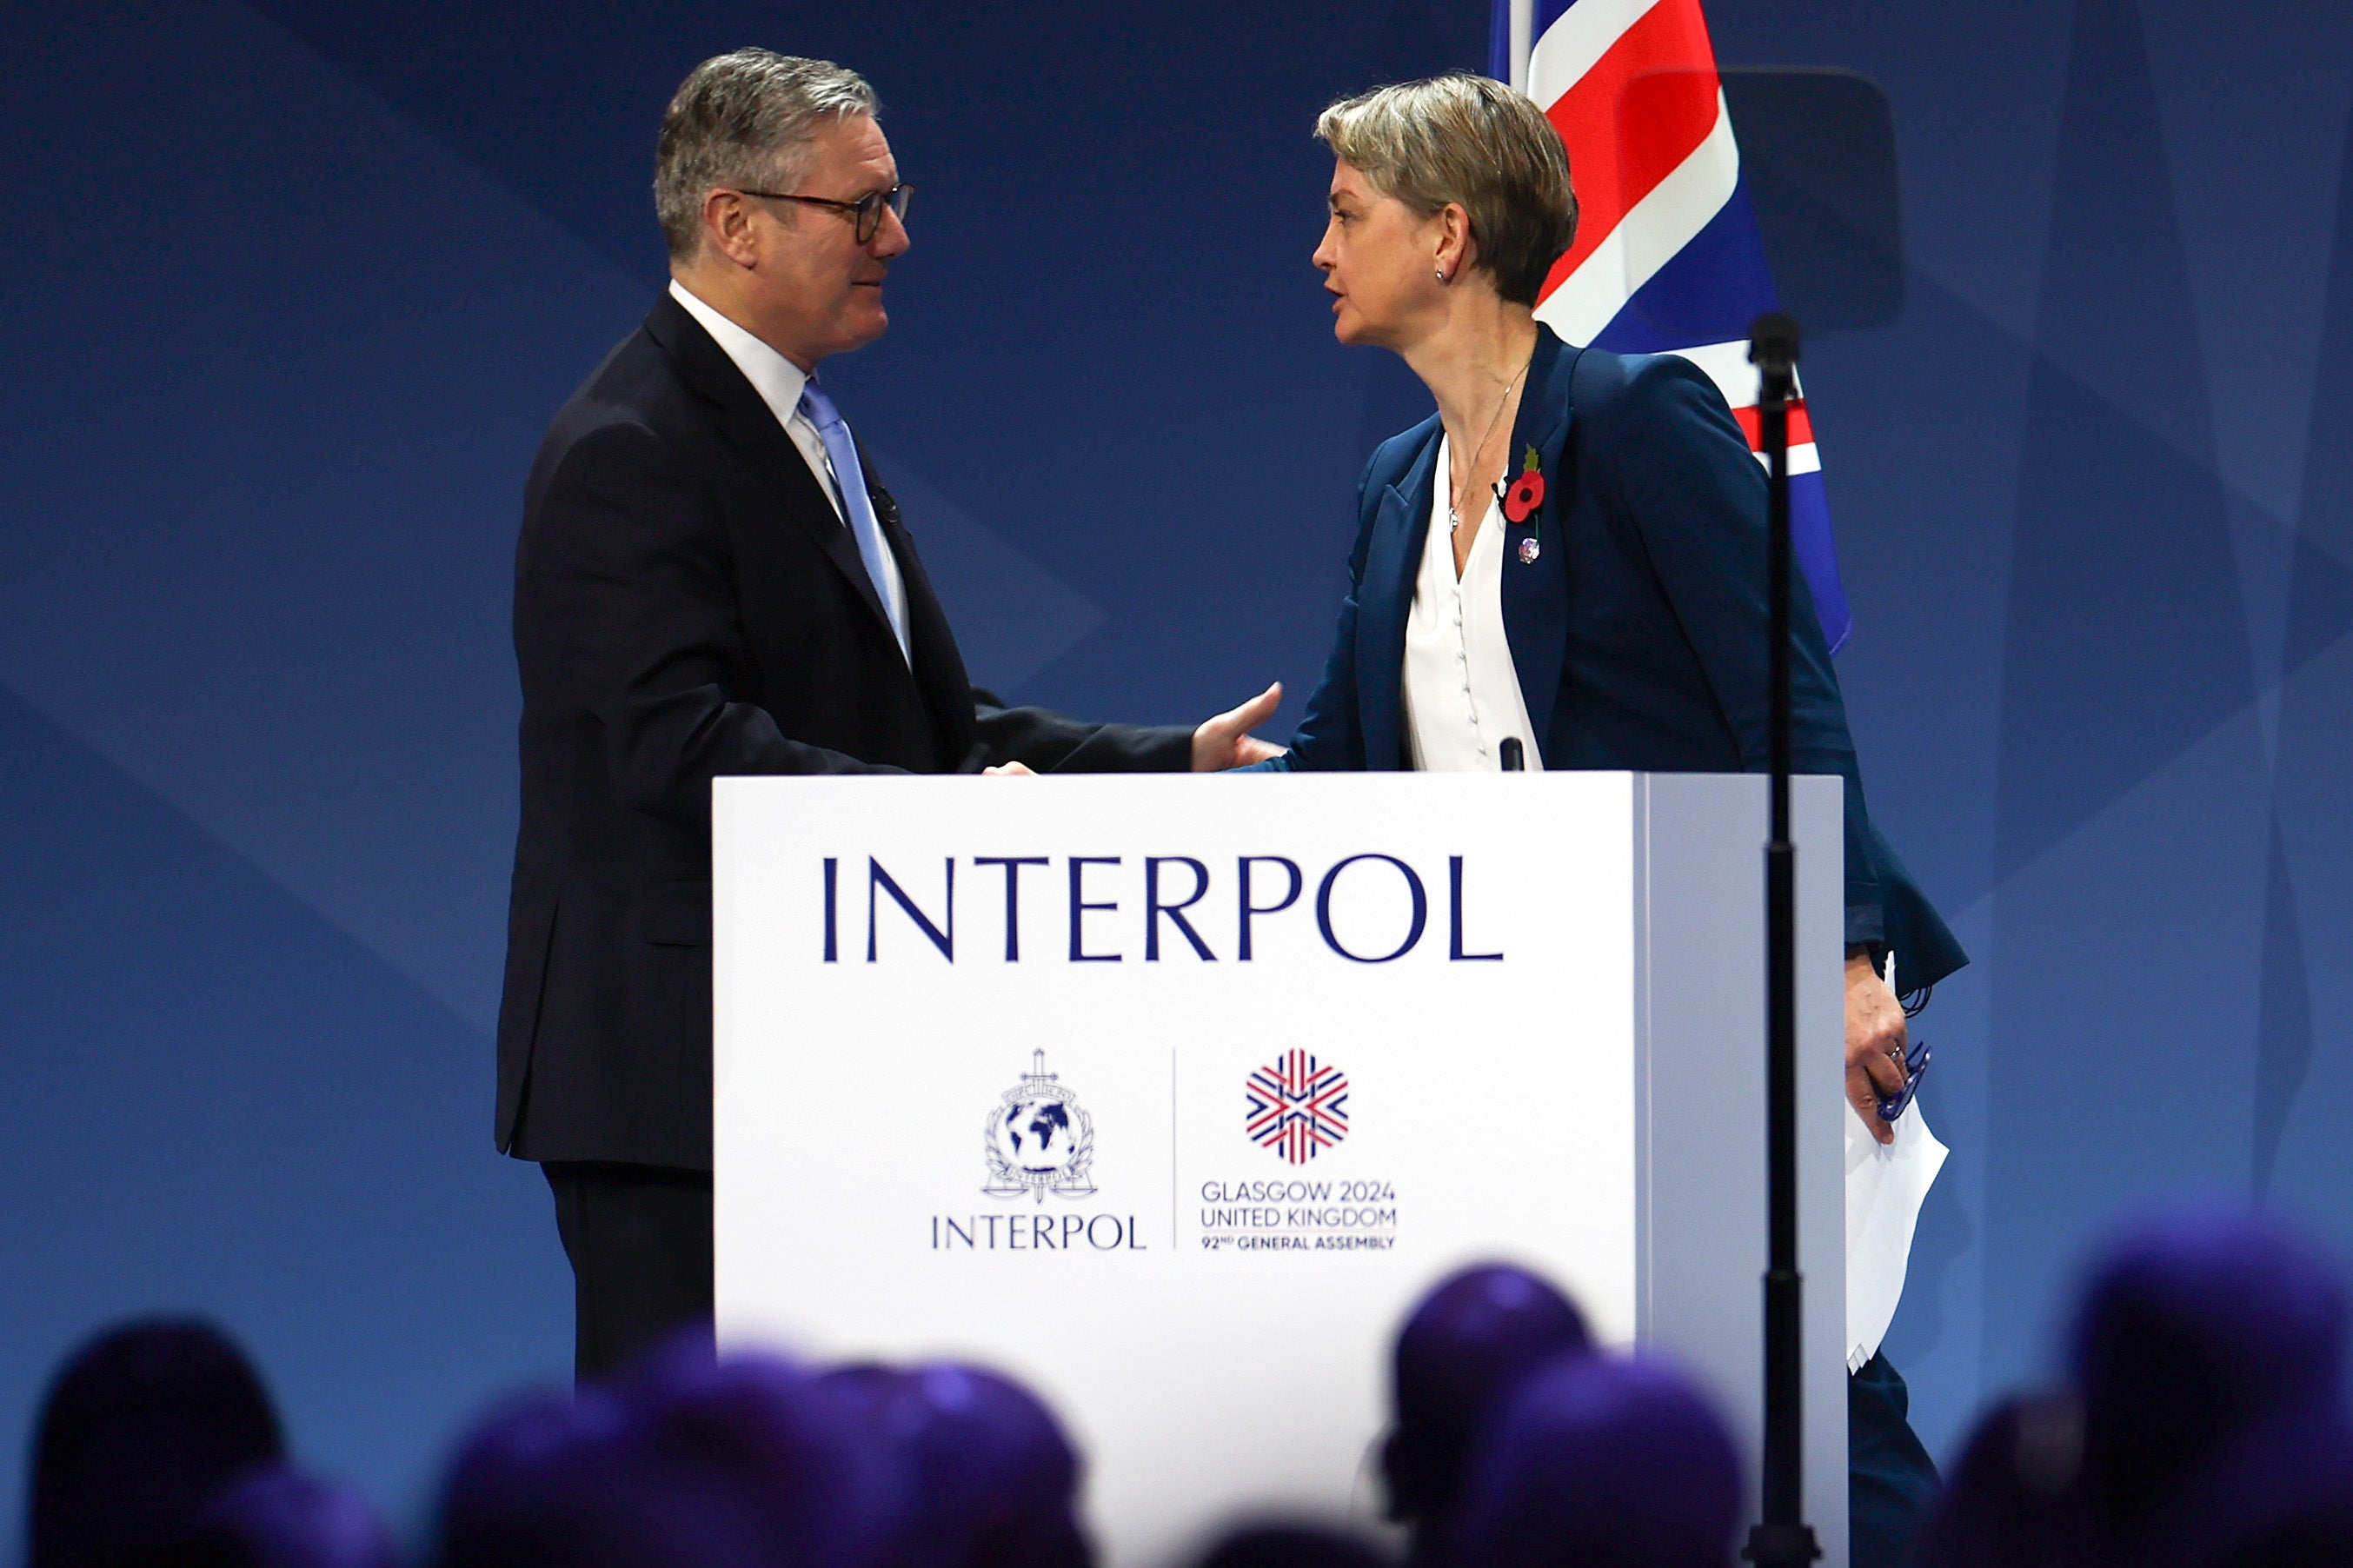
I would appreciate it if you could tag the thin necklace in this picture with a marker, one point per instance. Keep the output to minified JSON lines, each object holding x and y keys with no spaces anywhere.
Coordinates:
{"x":1454,"y":517}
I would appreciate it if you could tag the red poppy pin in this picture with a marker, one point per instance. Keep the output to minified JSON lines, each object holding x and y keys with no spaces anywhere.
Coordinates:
{"x":1527,"y":491}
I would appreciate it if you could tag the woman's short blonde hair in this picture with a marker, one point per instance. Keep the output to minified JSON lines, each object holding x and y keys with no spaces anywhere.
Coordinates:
{"x":1474,"y":141}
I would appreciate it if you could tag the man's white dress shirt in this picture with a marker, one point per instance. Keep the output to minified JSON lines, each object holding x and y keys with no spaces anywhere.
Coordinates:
{"x":1462,"y":692}
{"x":779,"y":381}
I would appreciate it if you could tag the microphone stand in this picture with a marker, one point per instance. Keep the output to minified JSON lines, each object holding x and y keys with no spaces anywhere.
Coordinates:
{"x":1782,"y":1539}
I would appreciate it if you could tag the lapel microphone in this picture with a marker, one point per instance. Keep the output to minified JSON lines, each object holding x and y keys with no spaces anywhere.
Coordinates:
{"x":1515,"y":755}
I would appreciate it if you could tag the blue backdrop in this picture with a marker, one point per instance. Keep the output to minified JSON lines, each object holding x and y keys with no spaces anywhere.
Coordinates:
{"x":290,"y":291}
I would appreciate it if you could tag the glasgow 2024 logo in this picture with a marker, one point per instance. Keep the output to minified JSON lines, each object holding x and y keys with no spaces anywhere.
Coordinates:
{"x":1298,"y":1106}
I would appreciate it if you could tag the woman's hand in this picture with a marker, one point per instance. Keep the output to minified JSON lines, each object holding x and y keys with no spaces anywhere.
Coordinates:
{"x":1010,"y":771}
{"x":1876,"y":1038}
{"x":1226,"y":741}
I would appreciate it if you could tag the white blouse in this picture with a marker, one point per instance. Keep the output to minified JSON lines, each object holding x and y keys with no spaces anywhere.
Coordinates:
{"x":1461,"y":692}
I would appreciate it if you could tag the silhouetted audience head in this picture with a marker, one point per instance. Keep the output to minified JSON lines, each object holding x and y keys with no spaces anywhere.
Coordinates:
{"x":686,"y":1462}
{"x":2205,"y":1425}
{"x":1291,"y":1546}
{"x":1470,"y":1339}
{"x":1599,"y":1462}
{"x":2279,"y":1494}
{"x":2016,"y":1499}
{"x":143,"y":1428}
{"x":283,"y":1519}
{"x":2201,"y":1325}
{"x":996,"y":1480}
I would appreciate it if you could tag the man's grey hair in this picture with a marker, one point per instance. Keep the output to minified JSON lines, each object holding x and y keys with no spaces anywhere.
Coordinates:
{"x":1471,"y":140}
{"x":745,"y":121}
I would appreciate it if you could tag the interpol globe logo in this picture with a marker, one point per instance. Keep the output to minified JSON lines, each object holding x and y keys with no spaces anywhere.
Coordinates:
{"x":1298,"y":1106}
{"x":1037,"y":1140}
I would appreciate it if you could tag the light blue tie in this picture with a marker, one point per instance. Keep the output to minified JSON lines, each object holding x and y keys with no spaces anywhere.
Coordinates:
{"x":849,"y":490}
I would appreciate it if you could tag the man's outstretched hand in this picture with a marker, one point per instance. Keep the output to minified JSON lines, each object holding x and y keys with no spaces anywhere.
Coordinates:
{"x":1226,"y":741}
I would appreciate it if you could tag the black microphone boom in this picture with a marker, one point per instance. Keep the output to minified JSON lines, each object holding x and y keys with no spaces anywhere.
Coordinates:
{"x":1782,"y":1539}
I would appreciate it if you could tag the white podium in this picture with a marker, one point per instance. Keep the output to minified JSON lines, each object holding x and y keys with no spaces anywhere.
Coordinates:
{"x":1170,"y":1094}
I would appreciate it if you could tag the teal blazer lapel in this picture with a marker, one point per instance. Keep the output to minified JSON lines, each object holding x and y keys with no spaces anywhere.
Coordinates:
{"x":1535,"y":590}
{"x":1384,"y":598}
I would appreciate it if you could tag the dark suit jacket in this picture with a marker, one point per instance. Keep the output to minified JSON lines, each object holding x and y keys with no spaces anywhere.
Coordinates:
{"x":1639,"y":632}
{"x":688,"y":604}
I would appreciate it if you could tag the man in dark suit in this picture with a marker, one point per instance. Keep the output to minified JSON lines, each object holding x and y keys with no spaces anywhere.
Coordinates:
{"x":711,"y":582}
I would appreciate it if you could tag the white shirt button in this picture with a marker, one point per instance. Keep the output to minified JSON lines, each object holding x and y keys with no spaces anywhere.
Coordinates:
{"x":1457,"y":617}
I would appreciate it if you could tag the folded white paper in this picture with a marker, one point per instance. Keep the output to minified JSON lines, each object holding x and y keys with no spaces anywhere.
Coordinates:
{"x":1886,"y":1185}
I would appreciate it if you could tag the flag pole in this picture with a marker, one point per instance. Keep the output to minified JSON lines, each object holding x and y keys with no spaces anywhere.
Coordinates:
{"x":1511,"y":33}
{"x":1782,"y":1539}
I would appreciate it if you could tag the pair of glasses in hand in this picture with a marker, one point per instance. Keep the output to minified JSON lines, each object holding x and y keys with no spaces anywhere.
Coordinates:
{"x":1916,"y":1057}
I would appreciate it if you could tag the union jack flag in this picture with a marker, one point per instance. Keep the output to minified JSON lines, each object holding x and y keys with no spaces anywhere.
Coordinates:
{"x":1298,"y":1106}
{"x":1667,"y":257}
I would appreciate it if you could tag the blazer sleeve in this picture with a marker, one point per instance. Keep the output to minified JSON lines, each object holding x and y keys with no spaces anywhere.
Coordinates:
{"x":1049,"y":742}
{"x":1698,"y":496}
{"x":1925,"y":948}
{"x":624,"y":595}
{"x":1331,"y":735}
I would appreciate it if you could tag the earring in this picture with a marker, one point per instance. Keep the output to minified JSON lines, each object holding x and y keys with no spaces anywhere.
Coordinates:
{"x":1439,"y":275}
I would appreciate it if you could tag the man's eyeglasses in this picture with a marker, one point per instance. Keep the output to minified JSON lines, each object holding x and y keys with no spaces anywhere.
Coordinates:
{"x":865,"y":211}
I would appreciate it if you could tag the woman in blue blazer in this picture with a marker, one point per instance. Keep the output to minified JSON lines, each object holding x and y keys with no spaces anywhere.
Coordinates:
{"x":1570,"y":553}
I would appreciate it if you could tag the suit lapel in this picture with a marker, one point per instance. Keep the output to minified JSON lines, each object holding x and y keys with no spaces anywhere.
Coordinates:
{"x":1535,"y":592}
{"x":1385,"y":599}
{"x":750,"y":427}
